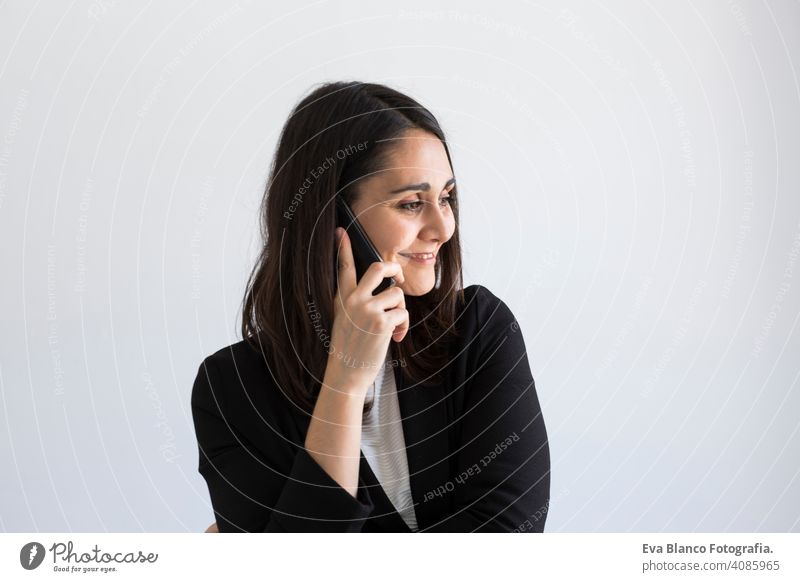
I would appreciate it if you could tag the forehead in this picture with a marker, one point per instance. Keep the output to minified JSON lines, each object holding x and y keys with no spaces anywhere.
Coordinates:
{"x":417,"y":156}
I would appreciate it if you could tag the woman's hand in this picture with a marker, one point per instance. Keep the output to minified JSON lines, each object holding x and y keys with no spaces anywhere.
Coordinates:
{"x":363,"y":323}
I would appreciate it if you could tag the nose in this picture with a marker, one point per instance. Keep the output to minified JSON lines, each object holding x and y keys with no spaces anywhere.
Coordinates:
{"x":435,"y":223}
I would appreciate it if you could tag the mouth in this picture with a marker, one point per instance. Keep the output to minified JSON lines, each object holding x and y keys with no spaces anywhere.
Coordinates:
{"x":425,"y":258}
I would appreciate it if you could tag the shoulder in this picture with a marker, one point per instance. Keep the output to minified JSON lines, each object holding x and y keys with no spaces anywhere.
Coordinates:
{"x":491,"y":350}
{"x":240,"y":358}
{"x":485,"y":309}
{"x":485,"y":321}
{"x":242,"y":354}
{"x":225,"y":372}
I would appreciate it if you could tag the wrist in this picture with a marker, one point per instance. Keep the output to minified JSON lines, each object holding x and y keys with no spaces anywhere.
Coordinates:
{"x":340,"y":383}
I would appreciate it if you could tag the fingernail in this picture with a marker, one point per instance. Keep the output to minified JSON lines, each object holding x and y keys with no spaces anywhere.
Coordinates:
{"x":338,"y":234}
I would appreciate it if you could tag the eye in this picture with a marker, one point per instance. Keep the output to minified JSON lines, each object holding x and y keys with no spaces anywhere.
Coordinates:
{"x":413,"y":207}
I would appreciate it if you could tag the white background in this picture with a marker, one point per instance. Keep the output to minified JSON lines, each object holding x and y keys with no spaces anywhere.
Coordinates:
{"x":629,"y":187}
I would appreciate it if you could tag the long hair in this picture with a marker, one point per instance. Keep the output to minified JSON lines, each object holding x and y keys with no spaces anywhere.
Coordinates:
{"x":339,"y":133}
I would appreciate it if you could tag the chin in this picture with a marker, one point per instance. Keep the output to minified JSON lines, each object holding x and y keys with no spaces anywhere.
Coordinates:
{"x":416,"y":289}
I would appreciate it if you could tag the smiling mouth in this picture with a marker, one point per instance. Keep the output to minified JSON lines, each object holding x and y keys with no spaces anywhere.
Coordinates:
{"x":419,"y":255}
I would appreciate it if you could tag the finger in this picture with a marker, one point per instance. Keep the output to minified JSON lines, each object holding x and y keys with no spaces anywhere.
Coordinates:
{"x":399,"y":334}
{"x":390,"y":298}
{"x":398,"y":317}
{"x":346,"y":267}
{"x":376,"y":272}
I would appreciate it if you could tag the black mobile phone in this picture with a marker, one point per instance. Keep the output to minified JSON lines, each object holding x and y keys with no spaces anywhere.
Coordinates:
{"x":364,"y":252}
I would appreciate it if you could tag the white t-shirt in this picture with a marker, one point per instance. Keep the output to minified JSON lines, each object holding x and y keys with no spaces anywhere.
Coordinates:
{"x":384,"y":446}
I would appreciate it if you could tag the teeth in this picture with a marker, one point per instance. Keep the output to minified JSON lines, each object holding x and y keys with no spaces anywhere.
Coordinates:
{"x":421,"y":255}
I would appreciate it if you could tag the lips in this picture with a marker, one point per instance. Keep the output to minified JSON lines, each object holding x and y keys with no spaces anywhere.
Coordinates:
{"x":419,"y":255}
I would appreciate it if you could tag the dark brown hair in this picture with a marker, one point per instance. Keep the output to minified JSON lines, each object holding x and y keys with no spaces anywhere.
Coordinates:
{"x":287,"y":310}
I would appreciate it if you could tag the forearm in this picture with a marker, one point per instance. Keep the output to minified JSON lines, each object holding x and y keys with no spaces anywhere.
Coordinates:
{"x":334,"y":432}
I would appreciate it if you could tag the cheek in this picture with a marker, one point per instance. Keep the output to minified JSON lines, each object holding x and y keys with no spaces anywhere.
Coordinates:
{"x":451,"y":226}
{"x":390,"y":235}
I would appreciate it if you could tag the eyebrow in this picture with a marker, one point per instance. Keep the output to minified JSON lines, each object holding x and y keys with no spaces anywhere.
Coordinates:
{"x":421,"y":186}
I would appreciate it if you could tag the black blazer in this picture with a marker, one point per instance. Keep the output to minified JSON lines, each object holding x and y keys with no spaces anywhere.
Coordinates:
{"x":478,"y":454}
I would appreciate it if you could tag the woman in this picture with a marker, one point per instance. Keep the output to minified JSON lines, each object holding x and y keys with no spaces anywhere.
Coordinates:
{"x":412,"y":409}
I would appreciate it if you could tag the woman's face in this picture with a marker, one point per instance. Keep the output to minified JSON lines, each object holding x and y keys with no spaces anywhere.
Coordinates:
{"x":405,"y":208}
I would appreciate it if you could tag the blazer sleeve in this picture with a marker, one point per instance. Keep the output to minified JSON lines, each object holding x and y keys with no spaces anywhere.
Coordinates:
{"x":272,"y":487}
{"x":502,"y":480}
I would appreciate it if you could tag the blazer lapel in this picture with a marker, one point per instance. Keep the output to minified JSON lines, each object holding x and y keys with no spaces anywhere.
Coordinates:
{"x":384,"y":516}
{"x":425,"y":428}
